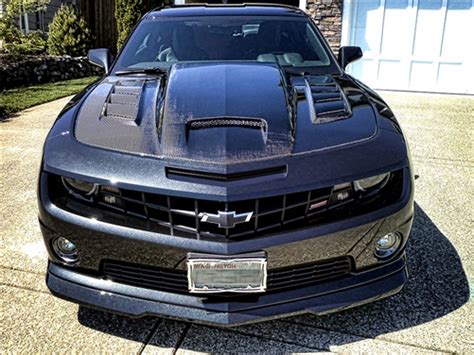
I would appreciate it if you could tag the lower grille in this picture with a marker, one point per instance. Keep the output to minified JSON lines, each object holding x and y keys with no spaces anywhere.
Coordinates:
{"x":172,"y":280}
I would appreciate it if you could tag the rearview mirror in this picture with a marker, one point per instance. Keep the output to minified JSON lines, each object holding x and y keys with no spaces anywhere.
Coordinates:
{"x":100,"y":57}
{"x":349,"y":54}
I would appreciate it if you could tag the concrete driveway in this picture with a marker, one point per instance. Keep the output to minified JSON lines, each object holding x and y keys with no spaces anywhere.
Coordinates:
{"x":433,"y":313}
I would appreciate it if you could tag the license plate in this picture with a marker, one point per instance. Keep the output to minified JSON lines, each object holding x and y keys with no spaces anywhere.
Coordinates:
{"x":215,"y":274}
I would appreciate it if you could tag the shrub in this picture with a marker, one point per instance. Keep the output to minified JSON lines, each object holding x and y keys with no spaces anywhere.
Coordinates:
{"x":68,"y":33}
{"x":33,"y":43}
{"x":127,"y":13}
{"x":14,"y":41}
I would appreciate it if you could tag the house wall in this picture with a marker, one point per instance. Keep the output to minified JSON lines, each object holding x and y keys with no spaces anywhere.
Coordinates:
{"x":100,"y":18}
{"x":42,"y":19}
{"x":53,"y":7}
{"x":327,"y":14}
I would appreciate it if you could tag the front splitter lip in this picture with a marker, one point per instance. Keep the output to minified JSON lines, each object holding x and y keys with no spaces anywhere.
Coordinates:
{"x":358,"y":289}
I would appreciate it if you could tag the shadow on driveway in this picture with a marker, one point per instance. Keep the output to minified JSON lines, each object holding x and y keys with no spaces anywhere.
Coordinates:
{"x":437,"y":286}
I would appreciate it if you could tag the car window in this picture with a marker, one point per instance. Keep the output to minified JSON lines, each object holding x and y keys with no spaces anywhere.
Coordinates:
{"x":290,"y":42}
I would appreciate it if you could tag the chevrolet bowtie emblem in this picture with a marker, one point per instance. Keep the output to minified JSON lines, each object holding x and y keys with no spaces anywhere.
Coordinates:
{"x":225,"y":219}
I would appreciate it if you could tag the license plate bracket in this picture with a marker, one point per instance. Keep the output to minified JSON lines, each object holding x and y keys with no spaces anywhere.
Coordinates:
{"x":243,"y":273}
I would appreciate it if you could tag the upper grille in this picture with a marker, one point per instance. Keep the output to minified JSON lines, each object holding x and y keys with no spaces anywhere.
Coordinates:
{"x":182,"y":216}
{"x":173,"y":280}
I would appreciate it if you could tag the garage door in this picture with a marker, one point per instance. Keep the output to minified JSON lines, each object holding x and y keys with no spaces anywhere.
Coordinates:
{"x":419,"y":45}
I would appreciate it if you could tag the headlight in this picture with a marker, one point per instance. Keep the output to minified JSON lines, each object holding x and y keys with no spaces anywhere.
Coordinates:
{"x":79,"y":187}
{"x":378,"y":181}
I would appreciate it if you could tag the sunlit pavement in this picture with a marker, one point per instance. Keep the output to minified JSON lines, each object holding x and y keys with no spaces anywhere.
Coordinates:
{"x":434,"y":312}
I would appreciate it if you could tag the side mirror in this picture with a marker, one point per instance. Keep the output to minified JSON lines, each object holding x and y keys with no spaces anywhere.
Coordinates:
{"x":349,"y":54}
{"x":100,"y":57}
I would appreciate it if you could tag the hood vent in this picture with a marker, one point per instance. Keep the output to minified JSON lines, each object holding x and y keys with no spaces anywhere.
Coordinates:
{"x":215,"y":122}
{"x":122,"y":103}
{"x":327,"y":102}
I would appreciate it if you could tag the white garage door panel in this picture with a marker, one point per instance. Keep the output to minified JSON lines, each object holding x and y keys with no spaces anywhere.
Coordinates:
{"x":452,"y":76}
{"x":459,"y":29}
{"x":421,"y":45}
{"x":429,"y":29}
{"x":396,"y":26}
{"x":422,"y":76}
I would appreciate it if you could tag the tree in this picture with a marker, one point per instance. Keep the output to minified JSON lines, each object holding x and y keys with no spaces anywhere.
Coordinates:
{"x":68,"y":33}
{"x":127,"y":13}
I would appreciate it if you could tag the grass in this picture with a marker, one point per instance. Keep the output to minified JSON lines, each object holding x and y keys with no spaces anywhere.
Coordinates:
{"x":15,"y":100}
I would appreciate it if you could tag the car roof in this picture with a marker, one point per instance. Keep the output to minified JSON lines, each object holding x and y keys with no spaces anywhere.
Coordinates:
{"x":224,"y":10}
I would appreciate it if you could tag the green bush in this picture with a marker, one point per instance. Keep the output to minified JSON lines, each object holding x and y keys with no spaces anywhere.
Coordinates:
{"x":68,"y":33}
{"x":127,"y":13}
{"x":15,"y":43}
{"x":33,"y":43}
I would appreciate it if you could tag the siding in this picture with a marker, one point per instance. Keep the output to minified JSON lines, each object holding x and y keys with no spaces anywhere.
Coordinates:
{"x":41,"y":20}
{"x":52,"y":8}
{"x":100,"y":18}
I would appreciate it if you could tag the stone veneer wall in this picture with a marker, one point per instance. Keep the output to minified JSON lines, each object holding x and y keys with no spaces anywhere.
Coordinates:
{"x":327,"y":14}
{"x":43,"y":69}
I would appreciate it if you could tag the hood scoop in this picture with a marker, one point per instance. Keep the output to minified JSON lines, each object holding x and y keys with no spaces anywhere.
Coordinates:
{"x":213,"y":122}
{"x":122,"y":104}
{"x":327,"y":102}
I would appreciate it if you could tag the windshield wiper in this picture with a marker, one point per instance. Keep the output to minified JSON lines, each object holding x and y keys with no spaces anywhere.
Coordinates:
{"x":147,"y":70}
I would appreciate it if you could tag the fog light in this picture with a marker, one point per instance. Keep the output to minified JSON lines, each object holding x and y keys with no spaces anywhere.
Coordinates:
{"x":387,"y":245}
{"x":65,"y":249}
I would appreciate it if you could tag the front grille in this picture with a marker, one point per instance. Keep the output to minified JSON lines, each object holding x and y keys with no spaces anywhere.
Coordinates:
{"x":182,"y":216}
{"x":278,"y":279}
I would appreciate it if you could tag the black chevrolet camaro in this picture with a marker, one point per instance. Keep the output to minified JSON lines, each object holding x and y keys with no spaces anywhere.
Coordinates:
{"x":226,"y":170}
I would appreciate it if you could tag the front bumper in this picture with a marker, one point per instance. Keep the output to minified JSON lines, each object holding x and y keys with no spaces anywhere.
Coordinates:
{"x":357,"y":289}
{"x":354,"y":237}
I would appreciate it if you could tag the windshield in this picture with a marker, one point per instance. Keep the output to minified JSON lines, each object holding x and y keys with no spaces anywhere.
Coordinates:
{"x":288,"y":41}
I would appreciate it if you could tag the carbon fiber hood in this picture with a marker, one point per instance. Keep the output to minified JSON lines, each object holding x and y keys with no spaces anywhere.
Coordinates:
{"x":224,"y":113}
